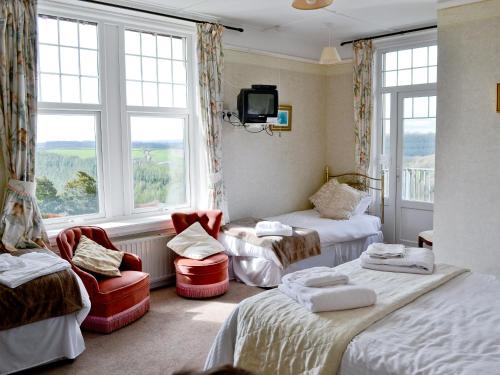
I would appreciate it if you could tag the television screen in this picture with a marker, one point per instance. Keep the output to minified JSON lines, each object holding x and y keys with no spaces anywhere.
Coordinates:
{"x":260,"y":104}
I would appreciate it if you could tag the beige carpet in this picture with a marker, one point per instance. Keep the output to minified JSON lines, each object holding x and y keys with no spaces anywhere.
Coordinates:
{"x":175,"y":334}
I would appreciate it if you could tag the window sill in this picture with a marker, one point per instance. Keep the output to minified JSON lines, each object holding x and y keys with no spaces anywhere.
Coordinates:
{"x":120,"y":227}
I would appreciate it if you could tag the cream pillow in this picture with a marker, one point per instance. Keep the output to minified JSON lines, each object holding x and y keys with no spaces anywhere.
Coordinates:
{"x":323,"y":196}
{"x":95,"y":258}
{"x":342,"y":204}
{"x":195,"y":243}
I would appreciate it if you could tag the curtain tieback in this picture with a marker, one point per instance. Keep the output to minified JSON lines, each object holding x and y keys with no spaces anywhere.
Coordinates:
{"x":26,"y":188}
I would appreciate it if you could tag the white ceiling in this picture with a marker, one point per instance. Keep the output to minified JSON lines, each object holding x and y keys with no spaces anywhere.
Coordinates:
{"x":274,"y":26}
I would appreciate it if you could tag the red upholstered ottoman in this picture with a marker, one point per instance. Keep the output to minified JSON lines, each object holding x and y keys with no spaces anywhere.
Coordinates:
{"x":202,"y":278}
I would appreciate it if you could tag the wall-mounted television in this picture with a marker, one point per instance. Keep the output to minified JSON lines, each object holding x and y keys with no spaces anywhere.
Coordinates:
{"x":255,"y":105}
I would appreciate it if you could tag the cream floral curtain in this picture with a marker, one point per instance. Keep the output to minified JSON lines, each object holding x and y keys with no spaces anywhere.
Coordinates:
{"x":210,"y":70}
{"x":21,"y":223}
{"x":363,"y":104}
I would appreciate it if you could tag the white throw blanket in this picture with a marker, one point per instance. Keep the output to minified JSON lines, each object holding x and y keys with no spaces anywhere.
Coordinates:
{"x":415,"y":260}
{"x":272,"y":228}
{"x":330,"y":298}
{"x":9,"y":262}
{"x":278,"y":336}
{"x":34,"y":265}
{"x":383,"y":250}
{"x":316,"y":277}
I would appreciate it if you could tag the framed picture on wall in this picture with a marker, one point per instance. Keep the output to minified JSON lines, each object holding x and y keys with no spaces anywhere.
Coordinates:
{"x":284,"y":119}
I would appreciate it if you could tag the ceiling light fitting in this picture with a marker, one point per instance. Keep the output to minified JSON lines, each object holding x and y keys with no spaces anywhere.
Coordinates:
{"x":311,"y":4}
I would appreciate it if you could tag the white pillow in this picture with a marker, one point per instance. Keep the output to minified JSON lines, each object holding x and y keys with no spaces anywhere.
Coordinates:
{"x":363,"y":205}
{"x":195,"y":243}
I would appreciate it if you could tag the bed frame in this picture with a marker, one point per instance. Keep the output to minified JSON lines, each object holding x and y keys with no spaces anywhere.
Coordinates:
{"x":362,"y":182}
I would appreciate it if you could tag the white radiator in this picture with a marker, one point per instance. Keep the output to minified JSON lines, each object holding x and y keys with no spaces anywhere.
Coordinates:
{"x":157,"y":260}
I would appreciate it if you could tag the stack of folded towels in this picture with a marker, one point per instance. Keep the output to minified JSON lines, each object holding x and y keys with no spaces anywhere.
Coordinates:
{"x":397,"y":258}
{"x":272,"y":228}
{"x":324,"y":289}
{"x":15,"y":271}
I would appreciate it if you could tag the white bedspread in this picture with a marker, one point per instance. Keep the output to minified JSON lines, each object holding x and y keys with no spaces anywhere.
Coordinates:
{"x":332,"y":231}
{"x":341,"y":241}
{"x":453,"y":329}
{"x":44,"y":341}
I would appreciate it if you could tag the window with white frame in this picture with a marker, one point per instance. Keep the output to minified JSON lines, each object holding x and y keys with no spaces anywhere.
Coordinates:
{"x":67,"y":161}
{"x":414,"y":66}
{"x":406,"y":71}
{"x":156,"y":78}
{"x":80,"y":167}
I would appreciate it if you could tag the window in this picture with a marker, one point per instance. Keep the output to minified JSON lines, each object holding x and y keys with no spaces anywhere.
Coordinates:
{"x":410,"y":67}
{"x":419,"y":135}
{"x":155,"y":70}
{"x":386,"y":140}
{"x":114,"y":118}
{"x":66,"y":165}
{"x":158,"y":158}
{"x":67,"y":160}
{"x":68,"y":61}
{"x":156,"y":78}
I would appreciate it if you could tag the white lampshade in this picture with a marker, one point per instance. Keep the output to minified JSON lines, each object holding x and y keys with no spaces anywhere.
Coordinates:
{"x":311,"y":4}
{"x":330,"y":55}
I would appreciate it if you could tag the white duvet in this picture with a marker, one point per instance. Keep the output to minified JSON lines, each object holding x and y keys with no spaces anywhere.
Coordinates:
{"x":332,"y":231}
{"x":341,"y":241}
{"x":454,"y":329}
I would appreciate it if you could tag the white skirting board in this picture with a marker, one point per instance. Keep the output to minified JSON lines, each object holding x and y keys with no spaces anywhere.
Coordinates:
{"x":157,"y":259}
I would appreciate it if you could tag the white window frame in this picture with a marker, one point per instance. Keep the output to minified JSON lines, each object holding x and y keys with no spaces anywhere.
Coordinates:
{"x":424,"y":39}
{"x":114,"y":155}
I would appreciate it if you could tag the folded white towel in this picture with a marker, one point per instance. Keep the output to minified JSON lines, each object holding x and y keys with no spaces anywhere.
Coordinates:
{"x":332,"y":298}
{"x":383,"y":250}
{"x":316,"y":277}
{"x":415,"y":260}
{"x":9,"y":262}
{"x":34,"y":265}
{"x":272,"y":228}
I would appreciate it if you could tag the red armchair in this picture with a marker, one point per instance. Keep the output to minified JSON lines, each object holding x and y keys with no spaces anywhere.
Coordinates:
{"x":209,"y":220}
{"x":201,"y":278}
{"x":116,"y":301}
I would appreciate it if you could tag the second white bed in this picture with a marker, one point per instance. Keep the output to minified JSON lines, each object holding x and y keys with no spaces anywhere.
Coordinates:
{"x":341,"y":241}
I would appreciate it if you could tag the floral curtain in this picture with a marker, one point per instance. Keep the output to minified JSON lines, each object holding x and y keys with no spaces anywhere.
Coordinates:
{"x":21,"y":224}
{"x":363,"y":104}
{"x":210,"y":70}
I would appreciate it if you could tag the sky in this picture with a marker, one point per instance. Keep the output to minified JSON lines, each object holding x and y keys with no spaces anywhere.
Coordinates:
{"x":52,"y":128}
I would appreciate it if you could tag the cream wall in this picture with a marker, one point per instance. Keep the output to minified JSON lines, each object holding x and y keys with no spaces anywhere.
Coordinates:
{"x":339,"y":117}
{"x":467,"y":216}
{"x":271,"y":175}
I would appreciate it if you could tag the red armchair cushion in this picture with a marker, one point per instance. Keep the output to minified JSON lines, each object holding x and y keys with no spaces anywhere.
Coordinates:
{"x":209,"y":220}
{"x":117,"y":294}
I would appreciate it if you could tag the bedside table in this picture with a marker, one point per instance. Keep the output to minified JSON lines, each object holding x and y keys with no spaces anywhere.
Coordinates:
{"x":425,"y":238}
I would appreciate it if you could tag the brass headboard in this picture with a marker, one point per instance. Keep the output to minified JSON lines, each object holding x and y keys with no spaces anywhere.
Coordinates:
{"x":363,"y":183}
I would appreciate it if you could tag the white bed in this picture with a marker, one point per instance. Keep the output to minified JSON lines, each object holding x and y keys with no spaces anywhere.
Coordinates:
{"x":44,"y":341}
{"x":341,"y":241}
{"x":453,"y":329}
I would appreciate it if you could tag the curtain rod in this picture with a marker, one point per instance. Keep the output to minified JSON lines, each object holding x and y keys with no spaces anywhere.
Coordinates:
{"x":390,"y":34}
{"x":239,"y":29}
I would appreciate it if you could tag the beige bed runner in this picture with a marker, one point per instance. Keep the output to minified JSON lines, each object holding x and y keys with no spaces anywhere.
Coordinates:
{"x":303,"y":244}
{"x":276,"y":335}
